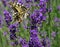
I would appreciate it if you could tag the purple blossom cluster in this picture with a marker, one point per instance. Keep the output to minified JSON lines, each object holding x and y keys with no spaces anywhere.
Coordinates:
{"x":4,"y":2}
{"x":43,"y":8}
{"x":23,"y":42}
{"x":36,"y":0}
{"x":37,"y":17}
{"x":46,"y":42}
{"x":13,"y":30}
{"x":7,"y":17}
{"x":27,"y":1}
{"x":58,"y":7}
{"x":14,"y":43}
{"x":53,"y":34}
{"x":57,"y":22}
{"x":34,"y":39}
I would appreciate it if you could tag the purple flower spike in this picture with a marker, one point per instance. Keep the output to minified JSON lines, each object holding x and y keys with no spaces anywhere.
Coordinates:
{"x":4,"y":33}
{"x":58,"y":7}
{"x":4,"y":2}
{"x":12,"y":43}
{"x":20,"y":1}
{"x":34,"y":39}
{"x":36,"y":0}
{"x":46,"y":42}
{"x":37,"y":17}
{"x":8,"y":17}
{"x":12,"y":36}
{"x":23,"y":42}
{"x":56,"y":19}
{"x":27,"y":1}
{"x":53,"y":34}
{"x":13,"y":28}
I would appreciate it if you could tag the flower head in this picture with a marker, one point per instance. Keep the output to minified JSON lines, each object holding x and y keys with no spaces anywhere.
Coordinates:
{"x":58,"y":7}
{"x":46,"y":42}
{"x":13,"y":28}
{"x":13,"y":36}
{"x":36,"y":0}
{"x":27,"y":1}
{"x":4,"y":2}
{"x":4,"y":33}
{"x":8,"y":17}
{"x":23,"y":42}
{"x":53,"y":34}
{"x":34,"y":39}
{"x":37,"y":17}
{"x":14,"y":43}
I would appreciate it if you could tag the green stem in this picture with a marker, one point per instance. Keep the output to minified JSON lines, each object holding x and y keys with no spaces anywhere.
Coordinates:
{"x":1,"y":39}
{"x":49,"y":19}
{"x":57,"y":38}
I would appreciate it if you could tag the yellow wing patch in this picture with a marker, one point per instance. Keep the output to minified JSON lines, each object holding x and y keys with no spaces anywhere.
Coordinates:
{"x":20,"y":11}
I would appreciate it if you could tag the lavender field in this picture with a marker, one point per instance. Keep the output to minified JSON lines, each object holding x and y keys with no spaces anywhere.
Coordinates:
{"x":29,"y":23}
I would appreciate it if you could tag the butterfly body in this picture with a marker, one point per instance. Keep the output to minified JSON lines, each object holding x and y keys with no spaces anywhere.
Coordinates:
{"x":19,"y":11}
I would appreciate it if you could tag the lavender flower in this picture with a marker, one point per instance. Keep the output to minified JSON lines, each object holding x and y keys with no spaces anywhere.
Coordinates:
{"x":37,"y":17}
{"x":50,"y":10}
{"x":36,"y":0}
{"x":13,"y":36}
{"x":4,"y":33}
{"x":43,"y":8}
{"x":20,"y":1}
{"x":12,"y":30}
{"x":53,"y":34}
{"x":58,"y":7}
{"x":23,"y":42}
{"x":27,"y":1}
{"x":13,"y":0}
{"x":57,"y":21}
{"x":34,"y":39}
{"x":14,"y":43}
{"x":4,"y":2}
{"x":46,"y":42}
{"x":8,"y":17}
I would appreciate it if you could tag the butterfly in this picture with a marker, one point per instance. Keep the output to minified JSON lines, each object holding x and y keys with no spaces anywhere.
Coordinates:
{"x":19,"y":11}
